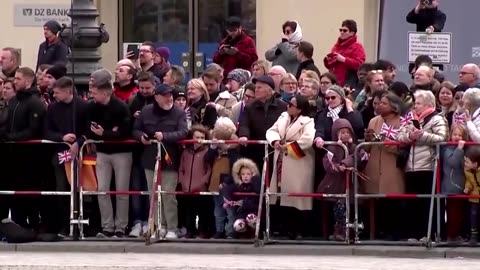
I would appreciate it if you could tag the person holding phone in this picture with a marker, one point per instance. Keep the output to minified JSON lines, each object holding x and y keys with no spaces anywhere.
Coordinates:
{"x":427,"y":129}
{"x":237,"y":50}
{"x":109,"y":120}
{"x":346,"y":56}
{"x":427,"y":16}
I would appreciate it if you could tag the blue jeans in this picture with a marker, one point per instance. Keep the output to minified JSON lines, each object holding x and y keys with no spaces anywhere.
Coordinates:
{"x":140,"y":203}
{"x":221,"y":214}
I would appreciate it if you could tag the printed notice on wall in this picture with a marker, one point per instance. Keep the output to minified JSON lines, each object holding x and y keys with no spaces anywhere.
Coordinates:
{"x":39,"y":14}
{"x":436,"y":45}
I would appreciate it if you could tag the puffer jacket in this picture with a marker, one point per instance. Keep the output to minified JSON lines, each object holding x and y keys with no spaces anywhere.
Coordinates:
{"x":453,"y":176}
{"x":195,"y":170}
{"x":422,"y":156}
{"x":473,"y":126}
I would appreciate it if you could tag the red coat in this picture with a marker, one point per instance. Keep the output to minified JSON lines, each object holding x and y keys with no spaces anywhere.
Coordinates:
{"x":354,"y":54}
{"x":246,"y":55}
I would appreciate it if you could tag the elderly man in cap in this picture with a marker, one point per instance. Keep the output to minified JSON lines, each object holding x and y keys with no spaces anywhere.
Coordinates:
{"x":109,"y":120}
{"x":167,"y":124}
{"x":260,"y":115}
{"x":52,"y":51}
{"x":237,"y":50}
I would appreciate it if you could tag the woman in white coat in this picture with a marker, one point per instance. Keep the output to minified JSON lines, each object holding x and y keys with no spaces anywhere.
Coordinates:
{"x":294,"y":160}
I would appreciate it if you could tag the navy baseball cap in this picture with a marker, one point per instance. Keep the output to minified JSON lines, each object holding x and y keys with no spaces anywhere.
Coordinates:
{"x":163,"y":90}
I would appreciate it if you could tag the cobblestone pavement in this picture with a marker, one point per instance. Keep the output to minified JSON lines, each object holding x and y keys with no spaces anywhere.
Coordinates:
{"x":111,"y":261}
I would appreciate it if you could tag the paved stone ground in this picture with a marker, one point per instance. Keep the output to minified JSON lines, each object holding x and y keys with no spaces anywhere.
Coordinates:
{"x":110,"y":261}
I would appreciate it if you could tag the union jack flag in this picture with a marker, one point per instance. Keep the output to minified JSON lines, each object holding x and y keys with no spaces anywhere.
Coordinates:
{"x":406,"y":119}
{"x":64,"y":157}
{"x":459,"y":118}
{"x":389,"y":131}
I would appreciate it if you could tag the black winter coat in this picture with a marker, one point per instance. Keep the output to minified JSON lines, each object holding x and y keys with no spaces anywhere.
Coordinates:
{"x":172,"y":124}
{"x":52,"y":54}
{"x":323,"y":124}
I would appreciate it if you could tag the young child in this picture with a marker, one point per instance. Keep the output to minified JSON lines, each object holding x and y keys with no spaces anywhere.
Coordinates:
{"x":472,"y":187}
{"x":242,"y":208}
{"x":335,"y":166}
{"x":194,"y":176}
{"x":453,"y":181}
{"x":222,"y":158}
{"x":180,"y":100}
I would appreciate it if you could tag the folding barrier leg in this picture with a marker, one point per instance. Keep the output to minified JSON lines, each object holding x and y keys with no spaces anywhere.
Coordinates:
{"x":432,"y":201}
{"x":257,"y":241}
{"x":153,"y":198}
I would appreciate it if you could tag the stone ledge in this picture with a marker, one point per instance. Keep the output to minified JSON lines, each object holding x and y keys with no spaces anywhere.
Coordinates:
{"x":245,"y":249}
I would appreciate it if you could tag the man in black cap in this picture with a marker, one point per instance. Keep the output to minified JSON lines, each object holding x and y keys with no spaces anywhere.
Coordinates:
{"x":259,"y":116}
{"x":52,"y":51}
{"x":167,"y":124}
{"x":237,"y":50}
{"x":51,"y":76}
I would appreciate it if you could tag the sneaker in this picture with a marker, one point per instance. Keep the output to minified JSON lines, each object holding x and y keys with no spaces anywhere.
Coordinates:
{"x":182,"y":232}
{"x":119,"y":234}
{"x":171,"y":235}
{"x":163,"y":232}
{"x":104,"y":234}
{"x":136,"y":230}
{"x":144,"y":229}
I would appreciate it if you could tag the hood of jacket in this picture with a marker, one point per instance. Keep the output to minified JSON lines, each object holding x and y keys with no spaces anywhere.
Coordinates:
{"x":239,"y":165}
{"x":339,"y":124}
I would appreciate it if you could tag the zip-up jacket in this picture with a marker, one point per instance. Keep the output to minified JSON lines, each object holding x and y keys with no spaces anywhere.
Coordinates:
{"x":25,"y":116}
{"x":195,"y":170}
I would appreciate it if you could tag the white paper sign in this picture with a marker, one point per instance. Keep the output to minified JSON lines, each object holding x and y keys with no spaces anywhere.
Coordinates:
{"x":436,"y":45}
{"x":39,"y":14}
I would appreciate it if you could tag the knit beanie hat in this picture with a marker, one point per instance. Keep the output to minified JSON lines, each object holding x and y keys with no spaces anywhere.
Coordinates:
{"x":338,"y":90}
{"x":237,"y":75}
{"x":53,"y":26}
{"x":164,"y":52}
{"x":57,"y":71}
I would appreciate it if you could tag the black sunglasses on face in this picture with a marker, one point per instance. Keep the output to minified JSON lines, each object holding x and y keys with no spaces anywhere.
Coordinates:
{"x":290,"y":104}
{"x":331,"y":97}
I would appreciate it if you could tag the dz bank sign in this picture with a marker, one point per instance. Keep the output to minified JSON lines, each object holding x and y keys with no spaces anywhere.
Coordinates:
{"x":39,"y":14}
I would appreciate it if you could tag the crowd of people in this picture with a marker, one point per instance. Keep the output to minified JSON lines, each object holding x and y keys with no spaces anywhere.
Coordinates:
{"x":307,"y":117}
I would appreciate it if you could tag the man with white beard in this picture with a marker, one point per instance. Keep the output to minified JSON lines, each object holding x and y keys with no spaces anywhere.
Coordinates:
{"x":167,"y":124}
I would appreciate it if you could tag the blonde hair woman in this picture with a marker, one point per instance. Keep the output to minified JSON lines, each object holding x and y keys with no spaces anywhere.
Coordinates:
{"x":197,"y":100}
{"x":259,"y":68}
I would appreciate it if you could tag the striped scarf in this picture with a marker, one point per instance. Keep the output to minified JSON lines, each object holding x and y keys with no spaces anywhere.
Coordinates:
{"x":333,"y":113}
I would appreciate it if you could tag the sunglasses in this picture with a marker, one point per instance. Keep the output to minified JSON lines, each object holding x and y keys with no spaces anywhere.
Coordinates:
{"x":290,"y":104}
{"x":343,"y":30}
{"x":327,"y":98}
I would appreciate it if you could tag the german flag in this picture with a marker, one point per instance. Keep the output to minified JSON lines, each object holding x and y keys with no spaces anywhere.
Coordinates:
{"x":167,"y":158}
{"x":89,"y":160}
{"x":295,"y":151}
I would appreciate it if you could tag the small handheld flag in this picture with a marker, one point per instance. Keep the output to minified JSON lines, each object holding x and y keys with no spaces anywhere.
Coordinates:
{"x":64,"y":157}
{"x":389,"y":131}
{"x":295,"y":150}
{"x":406,"y":119}
{"x":167,"y":158}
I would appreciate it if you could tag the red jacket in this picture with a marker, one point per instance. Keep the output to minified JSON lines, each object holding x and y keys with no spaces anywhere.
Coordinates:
{"x":125,"y":92}
{"x":246,"y":55}
{"x":354,"y":54}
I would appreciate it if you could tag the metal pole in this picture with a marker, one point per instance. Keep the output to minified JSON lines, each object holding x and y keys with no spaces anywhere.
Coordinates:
{"x":347,"y":196}
{"x":260,"y":201}
{"x":355,"y":193}
{"x":432,"y":200}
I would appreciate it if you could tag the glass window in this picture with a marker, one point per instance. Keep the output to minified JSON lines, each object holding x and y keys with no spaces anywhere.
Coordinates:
{"x":166,"y":23}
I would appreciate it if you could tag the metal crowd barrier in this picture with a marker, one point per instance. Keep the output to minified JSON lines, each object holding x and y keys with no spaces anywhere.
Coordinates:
{"x":46,"y":193}
{"x":257,"y":241}
{"x":432,"y":196}
{"x":268,"y":195}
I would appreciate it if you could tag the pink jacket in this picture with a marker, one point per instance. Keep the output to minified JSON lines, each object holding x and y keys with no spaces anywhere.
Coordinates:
{"x":194,"y":171}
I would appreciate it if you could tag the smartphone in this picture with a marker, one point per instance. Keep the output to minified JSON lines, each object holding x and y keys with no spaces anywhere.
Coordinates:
{"x":135,"y":49}
{"x":145,"y":137}
{"x":416,"y":124}
{"x":427,"y":2}
{"x":94,"y":124}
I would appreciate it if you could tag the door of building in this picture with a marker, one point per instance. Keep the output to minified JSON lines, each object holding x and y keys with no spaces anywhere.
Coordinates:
{"x":191,"y":29}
